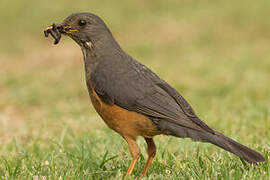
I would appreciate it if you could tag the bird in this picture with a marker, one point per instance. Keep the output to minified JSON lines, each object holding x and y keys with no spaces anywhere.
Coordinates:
{"x":133,"y":100}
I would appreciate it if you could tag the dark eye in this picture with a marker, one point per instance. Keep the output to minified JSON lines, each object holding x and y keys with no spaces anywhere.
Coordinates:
{"x":82,"y":22}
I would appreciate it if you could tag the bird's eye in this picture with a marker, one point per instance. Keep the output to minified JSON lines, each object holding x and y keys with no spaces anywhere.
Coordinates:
{"x":82,"y":22}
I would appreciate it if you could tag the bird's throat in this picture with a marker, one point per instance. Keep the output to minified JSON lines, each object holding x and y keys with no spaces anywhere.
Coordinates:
{"x":90,"y":58}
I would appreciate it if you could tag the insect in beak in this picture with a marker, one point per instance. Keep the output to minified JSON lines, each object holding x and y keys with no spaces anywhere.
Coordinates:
{"x":56,"y":29}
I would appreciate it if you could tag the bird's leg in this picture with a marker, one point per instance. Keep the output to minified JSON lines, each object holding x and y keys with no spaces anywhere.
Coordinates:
{"x":135,"y":153}
{"x":151,"y":149}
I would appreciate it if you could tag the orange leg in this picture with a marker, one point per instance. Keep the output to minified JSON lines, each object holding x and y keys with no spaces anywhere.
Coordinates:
{"x":135,"y":153}
{"x":151,"y":153}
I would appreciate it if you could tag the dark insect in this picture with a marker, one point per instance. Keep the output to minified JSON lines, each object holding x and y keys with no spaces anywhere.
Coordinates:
{"x":54,"y":31}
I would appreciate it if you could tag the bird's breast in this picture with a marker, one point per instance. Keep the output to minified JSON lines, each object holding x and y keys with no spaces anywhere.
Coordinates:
{"x":124,"y":122}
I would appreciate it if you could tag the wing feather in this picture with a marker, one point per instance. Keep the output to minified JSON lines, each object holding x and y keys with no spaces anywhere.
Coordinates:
{"x":134,"y":87}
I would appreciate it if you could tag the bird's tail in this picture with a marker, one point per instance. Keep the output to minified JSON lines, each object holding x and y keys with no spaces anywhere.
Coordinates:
{"x":216,"y":138}
{"x":236,"y":148}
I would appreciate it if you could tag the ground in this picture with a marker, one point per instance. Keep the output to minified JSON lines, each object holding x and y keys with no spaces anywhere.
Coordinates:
{"x":215,"y":53}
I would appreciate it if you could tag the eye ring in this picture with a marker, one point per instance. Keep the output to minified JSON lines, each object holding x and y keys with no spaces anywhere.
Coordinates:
{"x":82,"y":22}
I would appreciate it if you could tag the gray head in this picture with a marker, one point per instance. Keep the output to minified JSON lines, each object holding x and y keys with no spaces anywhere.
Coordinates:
{"x":84,"y":27}
{"x":81,"y":27}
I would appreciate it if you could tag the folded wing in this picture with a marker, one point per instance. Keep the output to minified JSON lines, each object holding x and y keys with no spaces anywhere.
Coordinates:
{"x":134,"y":87}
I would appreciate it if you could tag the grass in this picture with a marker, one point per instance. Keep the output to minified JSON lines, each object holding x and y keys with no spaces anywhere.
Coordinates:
{"x":216,"y":53}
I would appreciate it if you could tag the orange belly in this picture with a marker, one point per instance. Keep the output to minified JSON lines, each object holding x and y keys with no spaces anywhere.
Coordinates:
{"x":126,"y":123}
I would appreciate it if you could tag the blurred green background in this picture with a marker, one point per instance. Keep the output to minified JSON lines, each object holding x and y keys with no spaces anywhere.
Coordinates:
{"x":215,"y":53}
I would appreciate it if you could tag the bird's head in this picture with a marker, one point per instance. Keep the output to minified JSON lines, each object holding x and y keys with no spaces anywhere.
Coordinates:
{"x":81,"y":27}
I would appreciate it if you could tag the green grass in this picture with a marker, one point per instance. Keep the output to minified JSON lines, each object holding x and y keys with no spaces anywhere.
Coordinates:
{"x":216,"y":53}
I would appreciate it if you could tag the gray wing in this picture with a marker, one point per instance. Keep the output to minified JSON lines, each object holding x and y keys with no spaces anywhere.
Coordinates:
{"x":134,"y":87}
